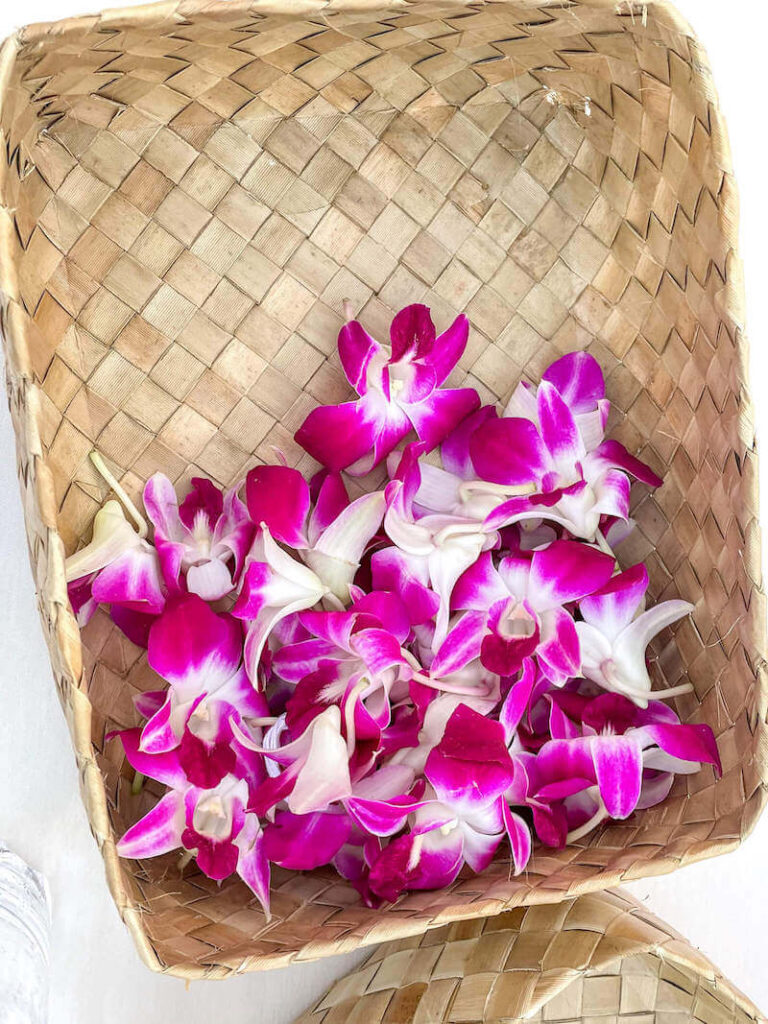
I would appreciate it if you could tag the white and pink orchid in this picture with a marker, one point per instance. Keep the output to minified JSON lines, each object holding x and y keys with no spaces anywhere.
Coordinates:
{"x":400,"y":391}
{"x":202,"y":542}
{"x":118,"y":567}
{"x":614,"y":638}
{"x":401,"y":684}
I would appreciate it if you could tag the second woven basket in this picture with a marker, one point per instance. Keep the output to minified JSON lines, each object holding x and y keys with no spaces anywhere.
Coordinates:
{"x":596,"y":959}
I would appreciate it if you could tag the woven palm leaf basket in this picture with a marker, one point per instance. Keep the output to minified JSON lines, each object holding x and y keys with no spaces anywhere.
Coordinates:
{"x":190,"y":193}
{"x":596,"y":959}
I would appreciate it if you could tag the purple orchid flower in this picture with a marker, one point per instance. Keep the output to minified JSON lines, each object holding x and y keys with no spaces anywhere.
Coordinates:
{"x":213,"y":824}
{"x":579,"y":381}
{"x":330,"y":533}
{"x":614,"y":638}
{"x":329,"y":536}
{"x":117,"y":567}
{"x":202,"y":542}
{"x":315,"y":765}
{"x":468,"y":771}
{"x":199,"y":654}
{"x":517,"y":611}
{"x":438,"y":546}
{"x":400,"y":390}
{"x":353,"y":660}
{"x":616,"y":758}
{"x":544,"y":459}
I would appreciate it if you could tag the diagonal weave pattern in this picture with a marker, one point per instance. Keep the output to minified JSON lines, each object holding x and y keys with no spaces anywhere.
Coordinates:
{"x":189,"y":193}
{"x":601,"y":959}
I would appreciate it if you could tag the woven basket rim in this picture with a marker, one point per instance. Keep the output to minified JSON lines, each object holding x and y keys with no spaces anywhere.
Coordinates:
{"x":68,"y":634}
{"x":161,"y":10}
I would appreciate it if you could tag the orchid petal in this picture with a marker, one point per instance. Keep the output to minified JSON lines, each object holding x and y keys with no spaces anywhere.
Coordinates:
{"x":519,"y":837}
{"x":565,"y":572}
{"x":479,"y":847}
{"x":470,"y":766}
{"x":454,"y":450}
{"x":157,"y":832}
{"x":480,"y":585}
{"x":559,"y":652}
{"x":301,"y":842}
{"x":340,"y":435}
{"x":279,"y":497}
{"x":558,"y":427}
{"x":619,"y":770}
{"x":112,"y":536}
{"x":210,"y":580}
{"x":686,"y":742}
{"x":412,"y":333}
{"x":616,"y":454}
{"x":192,"y":647}
{"x":330,"y":500}
{"x":252,"y":863}
{"x":449,"y":348}
{"x":391,"y":569}
{"x":356,"y":350}
{"x":336,"y":555}
{"x":516,"y":703}
{"x":461,"y":645}
{"x":163,"y":767}
{"x":133,"y":579}
{"x":579,"y":380}
{"x":629,"y":647}
{"x":611,"y":608}
{"x":509,"y":451}
{"x":435,"y":417}
{"x":162,"y":507}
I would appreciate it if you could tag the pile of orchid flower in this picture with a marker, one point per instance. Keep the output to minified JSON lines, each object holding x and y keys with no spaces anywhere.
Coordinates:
{"x":398,"y":684}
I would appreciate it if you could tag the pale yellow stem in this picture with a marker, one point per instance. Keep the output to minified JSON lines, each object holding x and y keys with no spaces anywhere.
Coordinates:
{"x":133,"y":512}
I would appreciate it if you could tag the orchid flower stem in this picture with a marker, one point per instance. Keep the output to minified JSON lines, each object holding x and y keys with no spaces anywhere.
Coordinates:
{"x":646,"y":695}
{"x":597,"y":818}
{"x":470,"y":487}
{"x":185,"y":858}
{"x":672,"y":691}
{"x":138,"y":783}
{"x":133,"y":512}
{"x":437,"y":684}
{"x":349,"y":713}
{"x":603,"y":544}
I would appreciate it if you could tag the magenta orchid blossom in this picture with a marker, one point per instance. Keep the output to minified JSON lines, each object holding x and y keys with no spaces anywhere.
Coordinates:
{"x":400,"y":391}
{"x":614,"y":637}
{"x":213,"y":824}
{"x":544,"y":459}
{"x":118,"y":567}
{"x":518,"y":610}
{"x":201,"y":542}
{"x":329,"y":537}
{"x":408,"y":684}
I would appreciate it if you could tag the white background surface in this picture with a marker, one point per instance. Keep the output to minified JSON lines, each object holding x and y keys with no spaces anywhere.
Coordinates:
{"x":721,"y":905}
